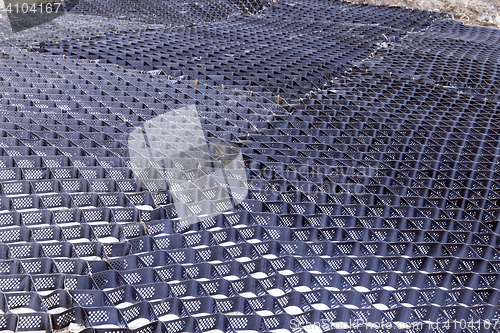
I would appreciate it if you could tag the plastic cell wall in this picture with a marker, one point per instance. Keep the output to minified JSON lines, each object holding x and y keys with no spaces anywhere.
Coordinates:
{"x":369,"y":137}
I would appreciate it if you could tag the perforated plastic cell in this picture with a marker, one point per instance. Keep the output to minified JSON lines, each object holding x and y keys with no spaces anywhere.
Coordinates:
{"x":139,"y":314}
{"x":29,"y":300}
{"x":72,"y":266}
{"x":34,"y":321}
{"x":58,"y":299}
{"x":105,"y":316}
{"x":90,"y":298}
{"x":3,"y":303}
{"x":17,"y":282}
{"x":8,"y":321}
{"x":74,"y":316}
{"x":11,"y":266}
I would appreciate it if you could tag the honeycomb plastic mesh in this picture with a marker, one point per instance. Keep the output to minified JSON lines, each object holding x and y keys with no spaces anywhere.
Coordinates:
{"x":370,"y":141}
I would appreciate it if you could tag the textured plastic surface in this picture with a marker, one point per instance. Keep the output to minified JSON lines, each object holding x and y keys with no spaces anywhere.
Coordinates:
{"x":370,"y":153}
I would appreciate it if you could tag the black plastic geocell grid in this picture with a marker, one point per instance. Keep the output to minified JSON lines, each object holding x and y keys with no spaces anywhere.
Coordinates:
{"x":252,"y":53}
{"x":84,"y":19}
{"x":171,"y":13}
{"x":373,"y":200}
{"x":449,"y":54}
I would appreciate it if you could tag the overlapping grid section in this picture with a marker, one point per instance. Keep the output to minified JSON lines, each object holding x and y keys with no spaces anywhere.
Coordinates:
{"x":273,"y":65}
{"x":449,"y":54}
{"x":172,"y":13}
{"x":76,"y":19}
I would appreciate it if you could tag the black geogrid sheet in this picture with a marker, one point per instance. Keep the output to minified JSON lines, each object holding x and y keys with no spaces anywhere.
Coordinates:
{"x":353,"y":183}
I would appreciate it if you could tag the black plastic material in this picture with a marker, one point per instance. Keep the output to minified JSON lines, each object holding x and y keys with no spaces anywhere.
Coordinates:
{"x":370,"y":155}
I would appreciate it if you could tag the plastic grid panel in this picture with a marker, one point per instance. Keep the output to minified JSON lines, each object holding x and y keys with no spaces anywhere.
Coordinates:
{"x":300,"y":246}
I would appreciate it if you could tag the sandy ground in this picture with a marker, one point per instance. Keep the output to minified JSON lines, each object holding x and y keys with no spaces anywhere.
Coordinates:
{"x":474,"y":12}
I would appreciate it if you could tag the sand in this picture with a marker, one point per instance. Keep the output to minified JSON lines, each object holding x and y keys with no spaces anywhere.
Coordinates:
{"x":139,"y":322}
{"x":472,"y":12}
{"x":71,"y":328}
{"x":22,"y":310}
{"x":276,"y":292}
{"x":57,"y":310}
{"x":320,"y":306}
{"x":259,"y":275}
{"x":381,"y":306}
{"x":293,"y":310}
{"x":265,"y":313}
{"x":123,"y":305}
{"x":169,"y":317}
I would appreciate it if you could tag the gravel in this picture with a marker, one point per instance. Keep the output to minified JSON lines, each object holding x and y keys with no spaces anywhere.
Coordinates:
{"x":473,"y":12}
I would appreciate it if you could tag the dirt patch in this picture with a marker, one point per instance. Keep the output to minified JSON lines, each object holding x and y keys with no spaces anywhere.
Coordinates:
{"x":474,"y":12}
